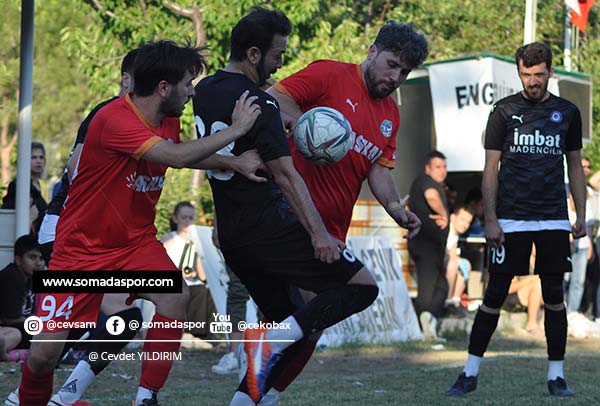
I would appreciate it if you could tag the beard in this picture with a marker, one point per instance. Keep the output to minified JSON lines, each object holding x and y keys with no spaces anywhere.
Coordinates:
{"x":373,"y":85}
{"x":541,"y":92}
{"x":170,"y":107}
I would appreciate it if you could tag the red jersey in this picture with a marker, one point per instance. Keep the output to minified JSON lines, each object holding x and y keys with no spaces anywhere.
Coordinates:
{"x":335,"y":188}
{"x":111,"y":205}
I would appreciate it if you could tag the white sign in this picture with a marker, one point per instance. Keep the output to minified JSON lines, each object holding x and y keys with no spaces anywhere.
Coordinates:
{"x":463,"y":93}
{"x":391,"y":318}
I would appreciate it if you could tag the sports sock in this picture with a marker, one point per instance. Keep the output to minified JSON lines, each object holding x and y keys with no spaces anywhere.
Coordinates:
{"x":293,"y":333}
{"x":334,"y":305}
{"x":555,"y":324}
{"x":241,"y":399}
{"x":155,"y":372}
{"x":35,"y":389}
{"x":483,"y":327}
{"x":555,"y":370}
{"x":79,"y":380}
{"x":472,"y":366}
{"x":294,"y":365}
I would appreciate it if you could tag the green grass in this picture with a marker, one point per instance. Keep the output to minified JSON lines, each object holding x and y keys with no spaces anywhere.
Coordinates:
{"x":513,"y":372}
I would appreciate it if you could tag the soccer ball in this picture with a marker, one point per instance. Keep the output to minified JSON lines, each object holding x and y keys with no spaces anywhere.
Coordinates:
{"x":323,"y":135}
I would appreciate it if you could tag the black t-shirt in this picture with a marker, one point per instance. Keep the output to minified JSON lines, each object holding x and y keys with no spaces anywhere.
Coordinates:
{"x":418,"y":205}
{"x":58,"y":200}
{"x":247,"y":211}
{"x":9,"y":202}
{"x":16,"y":299}
{"x":533,"y":138}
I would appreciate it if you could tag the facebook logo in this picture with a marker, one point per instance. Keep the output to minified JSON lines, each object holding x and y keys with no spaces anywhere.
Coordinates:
{"x":115,"y":325}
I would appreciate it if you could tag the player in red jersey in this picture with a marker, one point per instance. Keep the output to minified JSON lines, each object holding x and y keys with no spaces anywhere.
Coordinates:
{"x":108,"y":220}
{"x":362,"y":94}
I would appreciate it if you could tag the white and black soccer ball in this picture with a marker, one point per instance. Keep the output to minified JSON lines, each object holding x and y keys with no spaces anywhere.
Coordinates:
{"x":323,"y":135}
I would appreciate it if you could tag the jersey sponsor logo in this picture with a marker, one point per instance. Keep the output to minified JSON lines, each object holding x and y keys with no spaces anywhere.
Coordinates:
{"x":353,"y":105}
{"x":144,"y":183}
{"x":273,"y":103}
{"x":520,"y":118}
{"x":386,"y":128}
{"x":367,"y":148}
{"x":536,"y":143}
{"x":556,"y":117}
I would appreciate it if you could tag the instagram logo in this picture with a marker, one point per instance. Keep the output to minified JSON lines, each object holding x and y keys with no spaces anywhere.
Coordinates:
{"x":33,"y":325}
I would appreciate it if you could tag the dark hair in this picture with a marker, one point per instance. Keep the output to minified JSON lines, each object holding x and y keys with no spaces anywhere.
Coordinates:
{"x":38,"y":145}
{"x":534,"y":54}
{"x":434,"y":154}
{"x":165,"y":60}
{"x":403,"y":41}
{"x":474,"y":195}
{"x":178,"y":207}
{"x":127,"y":65}
{"x":464,"y":207}
{"x":24,"y":244}
{"x":257,"y":29}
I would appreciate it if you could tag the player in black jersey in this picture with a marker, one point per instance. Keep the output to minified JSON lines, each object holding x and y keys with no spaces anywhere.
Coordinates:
{"x":270,"y":233}
{"x":525,"y":203}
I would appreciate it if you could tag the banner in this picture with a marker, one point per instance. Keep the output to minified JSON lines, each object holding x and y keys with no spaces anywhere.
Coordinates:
{"x":463,"y":93}
{"x":391,"y":318}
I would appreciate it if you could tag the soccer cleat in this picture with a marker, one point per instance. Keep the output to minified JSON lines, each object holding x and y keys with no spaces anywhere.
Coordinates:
{"x":228,"y":364}
{"x":463,"y":385}
{"x":270,"y":399}
{"x":559,"y":387}
{"x":56,"y":400}
{"x":13,"y":398}
{"x":260,"y":361}
{"x":428,"y":325}
{"x":146,"y":402}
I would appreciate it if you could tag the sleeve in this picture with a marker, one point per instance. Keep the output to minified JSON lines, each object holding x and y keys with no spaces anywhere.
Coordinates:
{"x":11,"y":302}
{"x":125,"y":136}
{"x":574,"y":135}
{"x":388,"y":158}
{"x":309,"y":84}
{"x":83,"y":128}
{"x":270,"y":139}
{"x":8,"y":201}
{"x":495,"y":130}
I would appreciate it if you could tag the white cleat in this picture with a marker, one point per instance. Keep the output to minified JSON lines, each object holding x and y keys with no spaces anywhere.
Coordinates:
{"x":228,"y":364}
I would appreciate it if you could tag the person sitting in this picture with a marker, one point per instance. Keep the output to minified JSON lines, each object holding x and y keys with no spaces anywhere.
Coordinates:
{"x":457,"y":268}
{"x":10,"y":337}
{"x":16,"y":298}
{"x":526,"y":292}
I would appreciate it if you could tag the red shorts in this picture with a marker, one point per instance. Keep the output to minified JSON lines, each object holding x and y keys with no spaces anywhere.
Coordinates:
{"x":84,"y":307}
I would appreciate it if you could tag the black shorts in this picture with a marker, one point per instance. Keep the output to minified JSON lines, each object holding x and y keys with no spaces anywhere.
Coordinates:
{"x":271,"y":269}
{"x":553,"y":253}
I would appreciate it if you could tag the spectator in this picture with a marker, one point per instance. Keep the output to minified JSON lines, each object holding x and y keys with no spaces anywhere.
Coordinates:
{"x":237,"y":296}
{"x":457,"y":268}
{"x":428,"y":248}
{"x":182,"y":251}
{"x":474,"y":201}
{"x":16,"y":298}
{"x":526,"y":291}
{"x":10,"y":337}
{"x":37,"y":203}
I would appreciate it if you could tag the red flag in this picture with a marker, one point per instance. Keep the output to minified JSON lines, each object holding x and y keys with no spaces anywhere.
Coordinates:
{"x":580,"y":21}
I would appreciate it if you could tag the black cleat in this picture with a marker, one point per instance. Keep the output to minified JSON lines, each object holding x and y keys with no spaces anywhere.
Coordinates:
{"x":463,"y":385}
{"x":559,"y":387}
{"x":149,"y":402}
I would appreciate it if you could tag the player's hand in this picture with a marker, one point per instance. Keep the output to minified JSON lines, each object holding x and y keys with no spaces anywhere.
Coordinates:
{"x":409,"y":220}
{"x":578,"y":229}
{"x":245,"y":113}
{"x":248,"y":164}
{"x":440,"y":220}
{"x":288,"y":122}
{"x":327,"y":248}
{"x":494,"y":234}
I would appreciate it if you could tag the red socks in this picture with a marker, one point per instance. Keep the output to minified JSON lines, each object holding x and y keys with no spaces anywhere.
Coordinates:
{"x":295,"y":366}
{"x":156,"y":371}
{"x":35,"y":389}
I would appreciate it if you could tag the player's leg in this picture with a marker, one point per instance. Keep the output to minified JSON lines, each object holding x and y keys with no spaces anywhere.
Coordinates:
{"x":553,"y":251}
{"x":86,"y":370}
{"x":512,"y":258}
{"x":9,"y":338}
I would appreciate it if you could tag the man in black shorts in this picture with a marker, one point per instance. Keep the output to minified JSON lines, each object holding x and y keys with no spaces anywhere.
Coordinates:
{"x":270,"y":233}
{"x":525,"y":203}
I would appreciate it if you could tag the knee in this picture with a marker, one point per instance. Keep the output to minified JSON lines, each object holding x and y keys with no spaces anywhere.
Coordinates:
{"x":552,"y":291}
{"x":41,"y":362}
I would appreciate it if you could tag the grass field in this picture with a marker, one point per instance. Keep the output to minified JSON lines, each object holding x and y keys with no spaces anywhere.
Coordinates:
{"x":513,"y":373}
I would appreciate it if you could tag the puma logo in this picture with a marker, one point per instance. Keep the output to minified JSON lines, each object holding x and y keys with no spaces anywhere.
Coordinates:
{"x":520,"y":118}
{"x":272,"y":102}
{"x":353,"y":105}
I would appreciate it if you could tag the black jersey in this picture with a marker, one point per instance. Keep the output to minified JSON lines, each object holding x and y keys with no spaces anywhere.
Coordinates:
{"x":58,"y":200}
{"x":533,"y":138}
{"x":246,"y":210}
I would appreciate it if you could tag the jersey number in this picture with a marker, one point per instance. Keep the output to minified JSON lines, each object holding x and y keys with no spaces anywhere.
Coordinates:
{"x":49,"y":305}
{"x":498,"y":255}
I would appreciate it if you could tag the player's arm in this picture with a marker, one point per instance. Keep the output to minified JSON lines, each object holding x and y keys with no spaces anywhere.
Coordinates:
{"x":384,"y":189}
{"x":294,"y":189}
{"x":578,"y":191}
{"x":435,"y":203}
{"x":489,"y":190}
{"x":73,"y":160}
{"x":289,"y":110}
{"x":185,"y":154}
{"x":246,"y":164}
